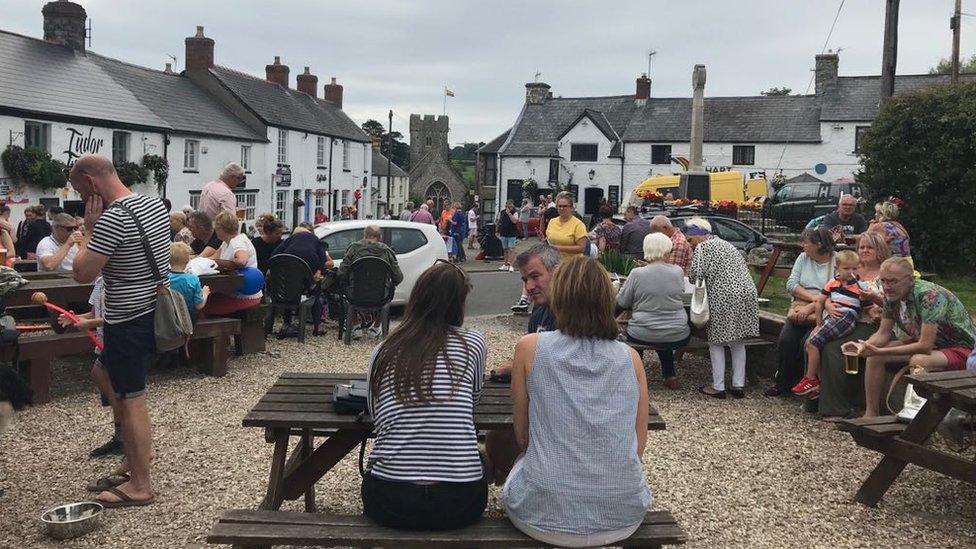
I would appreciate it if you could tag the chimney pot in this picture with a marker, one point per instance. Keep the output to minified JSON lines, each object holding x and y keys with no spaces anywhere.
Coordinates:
{"x":64,"y":23}
{"x":199,"y":32}
{"x":333,"y":93}
{"x":199,"y":51}
{"x":277,"y":72}
{"x":169,"y":68}
{"x":307,"y":83}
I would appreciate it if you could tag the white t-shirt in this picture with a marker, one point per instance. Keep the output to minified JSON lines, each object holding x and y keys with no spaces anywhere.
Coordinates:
{"x":472,"y":219}
{"x":48,"y":246}
{"x":97,"y":302}
{"x":240,"y":242}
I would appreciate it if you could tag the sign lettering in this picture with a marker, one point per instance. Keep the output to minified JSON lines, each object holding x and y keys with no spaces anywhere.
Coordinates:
{"x":80,"y":145}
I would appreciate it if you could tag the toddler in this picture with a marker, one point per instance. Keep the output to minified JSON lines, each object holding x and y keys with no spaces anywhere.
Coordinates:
{"x":187,"y":284}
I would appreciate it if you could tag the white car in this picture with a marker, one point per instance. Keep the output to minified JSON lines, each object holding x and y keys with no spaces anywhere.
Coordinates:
{"x":416,"y":245}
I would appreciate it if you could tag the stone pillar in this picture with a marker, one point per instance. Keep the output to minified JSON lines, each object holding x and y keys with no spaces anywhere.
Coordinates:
{"x":536,"y":93}
{"x":697,"y":118}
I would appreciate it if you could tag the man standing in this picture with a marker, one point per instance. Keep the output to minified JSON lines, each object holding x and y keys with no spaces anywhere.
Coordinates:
{"x":422,"y":215}
{"x":113,"y":247}
{"x":472,"y":226}
{"x":218,"y":196}
{"x":507,"y":232}
{"x":407,"y":212}
{"x":845,"y":221}
{"x":370,"y":246}
{"x":633,"y":232}
{"x":57,"y":252}
{"x":681,"y":252}
{"x":939,"y":332}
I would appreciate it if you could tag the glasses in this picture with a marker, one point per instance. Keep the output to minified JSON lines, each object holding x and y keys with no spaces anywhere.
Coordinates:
{"x":893,"y":281}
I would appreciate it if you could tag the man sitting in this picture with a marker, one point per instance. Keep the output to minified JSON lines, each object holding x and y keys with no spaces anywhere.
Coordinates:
{"x":205,"y":242}
{"x":57,"y":252}
{"x":939,"y":332}
{"x":369,"y":246}
{"x":845,"y":221}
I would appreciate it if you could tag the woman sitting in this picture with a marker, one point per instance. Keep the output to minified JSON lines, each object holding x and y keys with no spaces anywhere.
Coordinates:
{"x":178,"y":229}
{"x":654,"y":294}
{"x":579,"y":481}
{"x":607,"y":232}
{"x":235,"y":253}
{"x":886,"y":223}
{"x":424,"y":472}
{"x":733,"y":309}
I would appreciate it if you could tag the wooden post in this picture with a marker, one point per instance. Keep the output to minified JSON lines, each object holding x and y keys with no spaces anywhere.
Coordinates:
{"x":954,"y":24}
{"x":890,"y":51}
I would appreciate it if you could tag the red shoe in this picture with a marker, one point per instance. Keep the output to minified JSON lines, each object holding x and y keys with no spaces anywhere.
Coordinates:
{"x":805,"y":385}
{"x":814,"y":394}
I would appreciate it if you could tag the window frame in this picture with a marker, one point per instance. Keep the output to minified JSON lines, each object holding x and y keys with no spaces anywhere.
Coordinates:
{"x":320,"y":152}
{"x":191,"y":159}
{"x":553,"y":170}
{"x":346,"y":153}
{"x":859,"y":132}
{"x":576,"y":150}
{"x":282,"y":146}
{"x":120,"y":146}
{"x":334,"y":252}
{"x":657,"y":151}
{"x":281,"y":204}
{"x":41,"y":132}
{"x":246,"y":158}
{"x":737,"y":155}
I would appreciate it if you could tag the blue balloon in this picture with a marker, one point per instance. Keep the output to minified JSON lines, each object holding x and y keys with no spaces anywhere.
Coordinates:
{"x":820,"y":168}
{"x":253,"y":281}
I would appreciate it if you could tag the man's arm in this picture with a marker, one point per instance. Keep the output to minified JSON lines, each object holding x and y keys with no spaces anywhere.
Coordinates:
{"x":88,"y":264}
{"x":50,"y":261}
{"x":924,"y":346}
{"x":397,"y":273}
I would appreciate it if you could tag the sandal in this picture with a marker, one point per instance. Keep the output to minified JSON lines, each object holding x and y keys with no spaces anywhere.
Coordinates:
{"x":716,"y":394}
{"x":125,"y":500}
{"x":107,"y":482}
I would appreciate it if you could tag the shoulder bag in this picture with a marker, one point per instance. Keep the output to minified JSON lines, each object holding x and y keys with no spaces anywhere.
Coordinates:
{"x":699,"y":305}
{"x":172,"y":318}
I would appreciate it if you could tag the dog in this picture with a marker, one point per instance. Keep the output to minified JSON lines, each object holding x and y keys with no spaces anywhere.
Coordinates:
{"x":15,"y":395}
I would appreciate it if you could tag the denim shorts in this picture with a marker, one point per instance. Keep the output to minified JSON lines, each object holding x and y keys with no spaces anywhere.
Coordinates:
{"x":508,"y":241}
{"x":128,"y":346}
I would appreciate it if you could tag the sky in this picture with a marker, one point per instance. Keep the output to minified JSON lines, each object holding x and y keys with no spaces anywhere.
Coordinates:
{"x":400,"y":54}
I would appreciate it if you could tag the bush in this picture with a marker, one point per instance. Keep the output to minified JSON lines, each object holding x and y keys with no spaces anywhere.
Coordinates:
{"x":922,"y":149}
{"x":34,"y":167}
{"x":131,"y":173}
{"x":615,"y":261}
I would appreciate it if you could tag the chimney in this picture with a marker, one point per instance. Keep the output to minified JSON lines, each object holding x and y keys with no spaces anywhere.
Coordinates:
{"x":199,"y":52}
{"x":377,"y":141}
{"x":826,"y":73}
{"x":64,"y":23}
{"x":536,"y":93}
{"x":333,"y":93}
{"x":277,"y":72}
{"x":169,"y":68}
{"x":307,"y":83}
{"x":643,"y":90}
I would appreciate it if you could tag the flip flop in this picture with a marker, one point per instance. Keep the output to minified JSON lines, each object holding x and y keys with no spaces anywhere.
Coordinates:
{"x":106,"y":482}
{"x":125,"y":500}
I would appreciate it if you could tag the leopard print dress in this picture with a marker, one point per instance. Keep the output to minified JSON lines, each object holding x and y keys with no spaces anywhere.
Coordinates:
{"x":733,"y":310}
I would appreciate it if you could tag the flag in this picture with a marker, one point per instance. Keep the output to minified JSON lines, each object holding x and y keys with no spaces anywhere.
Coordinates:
{"x":448,"y":92}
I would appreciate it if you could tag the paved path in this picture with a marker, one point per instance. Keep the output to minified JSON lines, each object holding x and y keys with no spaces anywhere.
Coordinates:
{"x":493,"y":293}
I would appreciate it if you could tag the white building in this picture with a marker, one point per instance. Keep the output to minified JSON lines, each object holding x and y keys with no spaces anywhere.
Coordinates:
{"x":603,"y":147}
{"x":399,"y":184}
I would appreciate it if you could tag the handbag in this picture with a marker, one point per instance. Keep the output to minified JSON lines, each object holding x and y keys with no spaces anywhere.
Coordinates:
{"x":350,"y":398}
{"x":912,"y":403}
{"x":798,"y":318}
{"x":699,"y":305}
{"x":172,"y":318}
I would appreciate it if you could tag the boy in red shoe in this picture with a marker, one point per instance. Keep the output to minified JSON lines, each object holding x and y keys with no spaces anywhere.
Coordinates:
{"x":842,"y":299}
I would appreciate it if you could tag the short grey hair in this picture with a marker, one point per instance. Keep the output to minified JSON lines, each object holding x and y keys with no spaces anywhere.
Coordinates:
{"x":657,"y":246}
{"x":232,"y":170}
{"x":372,"y":231}
{"x":901,"y":263}
{"x":424,"y":206}
{"x":408,"y":206}
{"x":200,"y":218}
{"x":548,"y":255}
{"x":699,"y":222}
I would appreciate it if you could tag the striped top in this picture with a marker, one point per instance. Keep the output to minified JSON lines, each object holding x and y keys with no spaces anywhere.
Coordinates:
{"x":130,"y":286}
{"x":434,"y":441}
{"x":845,"y":295}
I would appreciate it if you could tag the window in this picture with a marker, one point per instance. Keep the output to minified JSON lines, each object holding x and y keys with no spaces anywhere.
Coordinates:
{"x":37,"y":135}
{"x":120,"y":147}
{"x":583,"y":152}
{"x":320,"y":195}
{"x":281,"y":198}
{"x":346,"y":148}
{"x":732,"y":231}
{"x":743,"y":155}
{"x":191,"y":154}
{"x":404,"y":241}
{"x":195,"y":200}
{"x":249,"y":199}
{"x":428,"y":140}
{"x":246,"y":157}
{"x":660,"y":154}
{"x":804,"y":190}
{"x":553,"y":170}
{"x":859,"y":132}
{"x":337,"y":242}
{"x":365,"y":158}
{"x":345,"y":198}
{"x":320,"y":153}
{"x":282,"y":146}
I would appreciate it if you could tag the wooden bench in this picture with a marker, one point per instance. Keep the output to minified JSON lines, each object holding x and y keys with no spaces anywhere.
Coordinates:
{"x":251,"y":337}
{"x":208,"y":346}
{"x":267,"y":528}
{"x":696,"y":344}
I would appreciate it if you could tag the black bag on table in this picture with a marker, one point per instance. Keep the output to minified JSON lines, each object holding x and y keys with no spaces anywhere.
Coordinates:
{"x":350,"y":398}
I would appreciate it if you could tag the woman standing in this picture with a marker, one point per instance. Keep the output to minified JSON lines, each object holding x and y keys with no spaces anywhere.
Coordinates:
{"x":566,"y":232}
{"x":236,"y":253}
{"x":579,"y":482}
{"x":424,"y":472}
{"x":607,"y":232}
{"x":733,"y":309}
{"x":811,"y":271}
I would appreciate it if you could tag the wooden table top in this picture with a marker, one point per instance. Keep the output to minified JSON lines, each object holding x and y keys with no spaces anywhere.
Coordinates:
{"x":957,"y":385}
{"x":304,"y":401}
{"x":62,"y":289}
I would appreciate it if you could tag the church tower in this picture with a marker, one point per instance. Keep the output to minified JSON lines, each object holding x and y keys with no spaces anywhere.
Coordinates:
{"x":427,"y":133}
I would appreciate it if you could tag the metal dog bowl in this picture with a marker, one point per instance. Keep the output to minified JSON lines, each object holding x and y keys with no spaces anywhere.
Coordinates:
{"x":72,"y":520}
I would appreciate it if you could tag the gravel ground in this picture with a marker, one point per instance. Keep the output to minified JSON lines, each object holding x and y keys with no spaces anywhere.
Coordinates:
{"x":750,"y":473}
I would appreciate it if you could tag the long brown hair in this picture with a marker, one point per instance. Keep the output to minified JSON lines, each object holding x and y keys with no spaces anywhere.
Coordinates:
{"x":582,"y":300}
{"x":408,"y":357}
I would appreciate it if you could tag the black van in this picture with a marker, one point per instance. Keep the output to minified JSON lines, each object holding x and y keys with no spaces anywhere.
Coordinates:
{"x":794,"y":204}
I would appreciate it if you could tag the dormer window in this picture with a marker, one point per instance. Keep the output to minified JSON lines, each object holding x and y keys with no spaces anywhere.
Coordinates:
{"x":583,"y":152}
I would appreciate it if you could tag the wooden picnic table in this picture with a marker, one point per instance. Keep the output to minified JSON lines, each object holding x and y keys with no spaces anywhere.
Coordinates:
{"x":301,"y":404}
{"x":902,"y":443}
{"x":771,"y":268}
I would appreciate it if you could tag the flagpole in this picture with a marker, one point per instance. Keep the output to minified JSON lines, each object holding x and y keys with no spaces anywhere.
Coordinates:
{"x":445,"y":100}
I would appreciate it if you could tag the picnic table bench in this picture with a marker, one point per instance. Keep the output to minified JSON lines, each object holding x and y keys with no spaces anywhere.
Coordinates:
{"x":902,"y":443}
{"x":301,"y":404}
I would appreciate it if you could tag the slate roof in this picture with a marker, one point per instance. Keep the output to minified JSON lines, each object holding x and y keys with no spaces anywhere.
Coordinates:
{"x":176,"y":99}
{"x":43,"y":78}
{"x":287,"y":108}
{"x":492,"y":146}
{"x":539,"y":127}
{"x":379,"y":166}
{"x":856,"y":98}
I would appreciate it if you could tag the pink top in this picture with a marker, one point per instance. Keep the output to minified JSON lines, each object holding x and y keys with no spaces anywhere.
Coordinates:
{"x":422,"y":216}
{"x":216,"y":197}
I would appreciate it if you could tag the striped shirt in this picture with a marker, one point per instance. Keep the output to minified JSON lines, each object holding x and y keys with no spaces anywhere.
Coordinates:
{"x":845,"y":295}
{"x":130,"y":286}
{"x":434,"y":441}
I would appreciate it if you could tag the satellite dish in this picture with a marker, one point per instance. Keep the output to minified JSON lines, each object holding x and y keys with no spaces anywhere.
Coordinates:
{"x":820,"y":168}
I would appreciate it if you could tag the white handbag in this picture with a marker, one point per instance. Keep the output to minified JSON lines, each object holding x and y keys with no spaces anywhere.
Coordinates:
{"x":699,"y":305}
{"x":913,"y":403}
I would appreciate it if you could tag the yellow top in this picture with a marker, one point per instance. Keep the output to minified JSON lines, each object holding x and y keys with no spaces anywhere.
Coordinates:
{"x":565,"y":234}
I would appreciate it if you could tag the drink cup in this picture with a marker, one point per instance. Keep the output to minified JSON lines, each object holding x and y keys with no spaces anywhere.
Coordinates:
{"x":851,"y":362}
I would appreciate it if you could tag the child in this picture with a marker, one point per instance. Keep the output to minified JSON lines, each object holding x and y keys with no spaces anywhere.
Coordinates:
{"x":842,"y":299}
{"x":187,"y":284}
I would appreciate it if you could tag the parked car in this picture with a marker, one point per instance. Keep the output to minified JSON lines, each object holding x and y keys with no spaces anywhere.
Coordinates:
{"x":795,"y":204}
{"x":417,"y":246}
{"x":737,"y":233}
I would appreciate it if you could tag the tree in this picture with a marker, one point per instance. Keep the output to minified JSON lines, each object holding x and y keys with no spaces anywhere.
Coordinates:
{"x":401,"y":151}
{"x":777,"y":91}
{"x":922,"y":148}
{"x":373,"y":128}
{"x":945,"y":66}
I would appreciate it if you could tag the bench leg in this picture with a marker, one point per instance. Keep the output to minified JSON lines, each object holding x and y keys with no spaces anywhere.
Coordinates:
{"x":347,"y":324}
{"x":307,"y":447}
{"x":210,"y":355}
{"x":39,"y":376}
{"x":274,"y":497}
{"x":768,"y":269}
{"x":251,"y":338}
{"x":321,"y":461}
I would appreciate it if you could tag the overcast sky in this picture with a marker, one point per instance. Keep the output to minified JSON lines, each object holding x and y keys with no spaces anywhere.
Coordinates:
{"x":400,"y":54}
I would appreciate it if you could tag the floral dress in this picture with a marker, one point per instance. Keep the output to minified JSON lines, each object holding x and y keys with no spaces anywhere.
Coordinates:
{"x":611,"y":232}
{"x":733,"y":309}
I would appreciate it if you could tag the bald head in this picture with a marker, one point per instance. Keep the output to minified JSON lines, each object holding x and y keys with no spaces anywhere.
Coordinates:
{"x":372,"y":232}
{"x":93,"y":174}
{"x":661,"y":224}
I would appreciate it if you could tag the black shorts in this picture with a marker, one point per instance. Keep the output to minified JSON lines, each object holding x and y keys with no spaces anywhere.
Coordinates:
{"x":128,"y":346}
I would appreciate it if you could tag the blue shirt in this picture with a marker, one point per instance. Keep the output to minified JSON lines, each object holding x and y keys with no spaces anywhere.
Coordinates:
{"x":541,"y":320}
{"x":188,"y":285}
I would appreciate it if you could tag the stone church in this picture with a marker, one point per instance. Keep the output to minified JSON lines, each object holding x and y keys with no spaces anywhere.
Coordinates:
{"x":431,"y":173}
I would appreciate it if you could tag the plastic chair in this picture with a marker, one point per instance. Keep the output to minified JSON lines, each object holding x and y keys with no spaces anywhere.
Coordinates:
{"x":369,"y":289}
{"x":288,"y":280}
